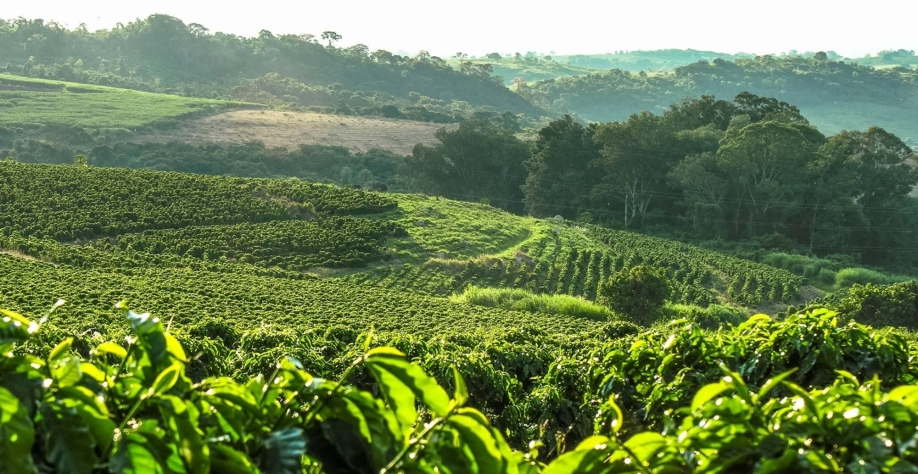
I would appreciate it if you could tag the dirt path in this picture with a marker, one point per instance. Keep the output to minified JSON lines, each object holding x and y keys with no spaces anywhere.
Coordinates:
{"x":291,"y":129}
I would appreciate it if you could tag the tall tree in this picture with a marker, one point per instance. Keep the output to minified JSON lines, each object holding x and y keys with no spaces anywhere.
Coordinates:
{"x":558,"y":181}
{"x":476,"y":161}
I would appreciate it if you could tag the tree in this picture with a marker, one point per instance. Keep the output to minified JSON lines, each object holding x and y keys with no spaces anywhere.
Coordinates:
{"x":475,"y":161}
{"x":558,"y":181}
{"x":494,"y":57}
{"x":637,"y":293}
{"x":331,"y":37}
{"x":874,"y":169}
{"x":636,"y":157}
{"x":80,"y":160}
{"x":765,"y":161}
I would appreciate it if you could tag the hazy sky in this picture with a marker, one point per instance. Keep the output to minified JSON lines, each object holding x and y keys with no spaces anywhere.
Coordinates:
{"x":852,"y":28}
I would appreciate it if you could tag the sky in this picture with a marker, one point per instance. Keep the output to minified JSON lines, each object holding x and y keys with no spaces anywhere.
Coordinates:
{"x":477,"y":27}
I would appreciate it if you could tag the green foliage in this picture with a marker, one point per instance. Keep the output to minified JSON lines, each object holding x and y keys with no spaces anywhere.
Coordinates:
{"x":664,"y":367}
{"x":108,"y":202}
{"x":891,"y":305}
{"x":712,"y":318}
{"x":638,"y":292}
{"x":134,"y":409}
{"x":522,"y":300}
{"x":847,"y":277}
{"x":847,"y":426}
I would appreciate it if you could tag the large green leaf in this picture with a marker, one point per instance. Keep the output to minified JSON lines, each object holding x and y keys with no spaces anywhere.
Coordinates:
{"x":132,"y":456}
{"x":150,"y":332}
{"x":401,"y":382}
{"x":17,"y":434}
{"x":69,"y":445}
{"x":480,"y":442}
{"x":14,"y":328}
{"x":181,"y":421}
{"x":66,"y":371}
{"x":226,"y":460}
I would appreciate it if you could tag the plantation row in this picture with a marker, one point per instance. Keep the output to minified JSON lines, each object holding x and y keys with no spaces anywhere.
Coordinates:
{"x":748,"y":283}
{"x":288,"y":245}
{"x":77,"y":202}
{"x":557,"y":265}
{"x":248,"y":301}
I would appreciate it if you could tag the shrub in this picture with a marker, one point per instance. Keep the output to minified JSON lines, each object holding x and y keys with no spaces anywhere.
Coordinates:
{"x":849,"y":276}
{"x":522,"y":300}
{"x":638,"y":293}
{"x":713,"y":317}
{"x":892,"y":305}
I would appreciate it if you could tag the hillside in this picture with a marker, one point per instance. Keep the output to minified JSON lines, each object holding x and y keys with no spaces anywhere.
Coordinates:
{"x":163,"y":54}
{"x":292,"y":129}
{"x":834,"y":95}
{"x":246,"y":272}
{"x":25,"y":101}
{"x":424,"y":245}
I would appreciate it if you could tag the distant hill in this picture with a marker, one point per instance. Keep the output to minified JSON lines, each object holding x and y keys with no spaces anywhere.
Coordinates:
{"x":834,"y":95}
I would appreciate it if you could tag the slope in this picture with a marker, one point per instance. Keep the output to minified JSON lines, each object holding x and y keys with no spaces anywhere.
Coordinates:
{"x":285,"y":233}
{"x":25,"y":101}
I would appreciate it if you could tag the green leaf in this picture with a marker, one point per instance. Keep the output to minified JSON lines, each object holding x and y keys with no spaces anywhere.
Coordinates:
{"x":401,"y":382}
{"x":182,"y":422}
{"x":174,"y":348}
{"x":61,"y":349}
{"x":283,"y":451}
{"x":611,"y":416}
{"x":93,"y":412}
{"x":588,"y":458}
{"x":131,"y":456}
{"x":226,"y":460}
{"x":480,"y":442}
{"x":150,"y":332}
{"x":706,"y":393}
{"x":14,"y":327}
{"x":17,"y":435}
{"x":774,"y":382}
{"x":461,"y":394}
{"x":111,"y":348}
{"x":67,"y":372}
{"x":166,"y":380}
{"x":906,"y":394}
{"x":70,"y":446}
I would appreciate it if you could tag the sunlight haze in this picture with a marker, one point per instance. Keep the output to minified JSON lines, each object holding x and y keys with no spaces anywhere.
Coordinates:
{"x":478,"y":27}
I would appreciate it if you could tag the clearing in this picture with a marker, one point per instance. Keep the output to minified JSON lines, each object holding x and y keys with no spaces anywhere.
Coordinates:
{"x":37,"y":101}
{"x":291,"y":129}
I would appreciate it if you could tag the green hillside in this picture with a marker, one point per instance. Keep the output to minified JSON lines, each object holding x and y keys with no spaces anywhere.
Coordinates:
{"x":26,"y":101}
{"x":246,"y":272}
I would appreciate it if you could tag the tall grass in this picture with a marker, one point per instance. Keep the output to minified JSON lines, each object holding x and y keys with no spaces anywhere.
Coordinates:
{"x":818,"y":271}
{"x":522,"y":300}
{"x":849,"y":276}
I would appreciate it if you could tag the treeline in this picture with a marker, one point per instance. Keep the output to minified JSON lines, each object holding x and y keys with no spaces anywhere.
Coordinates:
{"x":705,"y":169}
{"x":163,"y":54}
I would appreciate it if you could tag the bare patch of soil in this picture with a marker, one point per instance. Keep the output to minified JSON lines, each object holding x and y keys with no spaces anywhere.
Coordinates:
{"x":291,"y":129}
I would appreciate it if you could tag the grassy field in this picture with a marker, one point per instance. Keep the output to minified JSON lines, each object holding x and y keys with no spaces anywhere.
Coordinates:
{"x":37,"y":101}
{"x":292,"y":129}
